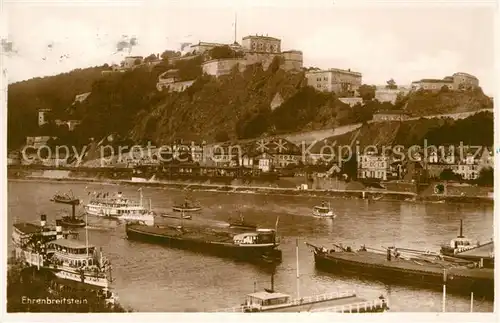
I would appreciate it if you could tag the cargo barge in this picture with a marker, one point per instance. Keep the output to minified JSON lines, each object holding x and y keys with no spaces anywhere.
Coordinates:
{"x":429,"y":271}
{"x":248,"y":245}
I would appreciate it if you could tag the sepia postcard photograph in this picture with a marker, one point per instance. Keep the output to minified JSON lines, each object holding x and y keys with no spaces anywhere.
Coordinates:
{"x":334,"y":158}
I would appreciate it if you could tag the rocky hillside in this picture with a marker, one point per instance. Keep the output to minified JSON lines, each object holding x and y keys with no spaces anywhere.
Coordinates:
{"x":422,"y":103}
{"x":474,"y":130}
{"x":234,"y":106}
{"x":238,"y":106}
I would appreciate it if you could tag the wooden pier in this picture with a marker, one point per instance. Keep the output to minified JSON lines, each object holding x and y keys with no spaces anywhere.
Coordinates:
{"x":340,"y":302}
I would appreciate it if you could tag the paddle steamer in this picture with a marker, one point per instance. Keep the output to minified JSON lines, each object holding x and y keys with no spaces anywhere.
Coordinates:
{"x":51,"y":249}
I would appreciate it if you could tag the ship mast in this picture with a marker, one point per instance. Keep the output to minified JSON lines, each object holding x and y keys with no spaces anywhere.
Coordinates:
{"x":235,"y":25}
{"x":461,"y":229}
{"x":298,"y":275}
{"x":140,"y":196}
{"x":87,"y":234}
{"x":276,"y":227}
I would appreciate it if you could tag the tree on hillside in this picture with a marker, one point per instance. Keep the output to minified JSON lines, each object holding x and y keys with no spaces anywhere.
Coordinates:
{"x":367,"y":92}
{"x":115,"y":102}
{"x":189,"y":69}
{"x":300,"y":109}
{"x":169,"y":54}
{"x":444,"y":89}
{"x":221,"y":136}
{"x":275,"y":64}
{"x":54,"y":92}
{"x":150,"y":58}
{"x":252,"y":124}
{"x":161,"y":67}
{"x":221,"y":52}
{"x":448,"y":175}
{"x":137,"y":61}
{"x":391,"y":84}
{"x":486,"y":177}
{"x":350,"y":167}
{"x":361,"y":113}
{"x":401,"y":100}
{"x":474,"y":130}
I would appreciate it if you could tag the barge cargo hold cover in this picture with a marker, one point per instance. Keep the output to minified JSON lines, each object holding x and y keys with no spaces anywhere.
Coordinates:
{"x":258,"y":244}
{"x":425,"y":271}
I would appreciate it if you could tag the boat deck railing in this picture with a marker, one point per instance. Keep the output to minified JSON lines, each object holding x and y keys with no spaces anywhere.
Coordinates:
{"x":322,"y":297}
{"x":294,"y":302}
{"x":235,"y":309}
{"x":366,"y":306}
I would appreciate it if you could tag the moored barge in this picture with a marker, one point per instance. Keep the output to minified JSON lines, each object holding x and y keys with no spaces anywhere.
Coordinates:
{"x":249,"y":245}
{"x":425,"y":270}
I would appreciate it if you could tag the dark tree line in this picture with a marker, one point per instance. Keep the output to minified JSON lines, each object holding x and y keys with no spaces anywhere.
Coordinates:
{"x":57,"y":93}
{"x":26,"y":285}
{"x":474,"y":130}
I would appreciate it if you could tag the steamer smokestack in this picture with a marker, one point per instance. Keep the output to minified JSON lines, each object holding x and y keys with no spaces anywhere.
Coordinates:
{"x":59,"y":233}
{"x":43,"y":220}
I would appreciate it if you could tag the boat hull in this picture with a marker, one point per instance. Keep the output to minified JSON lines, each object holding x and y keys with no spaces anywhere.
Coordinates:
{"x":329,"y":216}
{"x":266,"y":253}
{"x":70,"y":223}
{"x":450,"y":252}
{"x":479,"y":284}
{"x":34,"y":259}
{"x":145,"y":218}
{"x":185,"y":217}
{"x":324,"y":215}
{"x":66,"y":201}
{"x":188,"y":209}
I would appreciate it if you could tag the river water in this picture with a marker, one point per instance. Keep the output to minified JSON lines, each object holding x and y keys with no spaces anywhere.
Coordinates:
{"x":151,"y":278}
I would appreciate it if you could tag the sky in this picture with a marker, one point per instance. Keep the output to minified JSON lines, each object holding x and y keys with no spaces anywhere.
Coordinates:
{"x":405,"y":43}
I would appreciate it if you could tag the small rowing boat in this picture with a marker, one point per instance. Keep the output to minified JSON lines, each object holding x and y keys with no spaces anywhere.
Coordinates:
{"x":186,"y":206}
{"x":65,"y":199}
